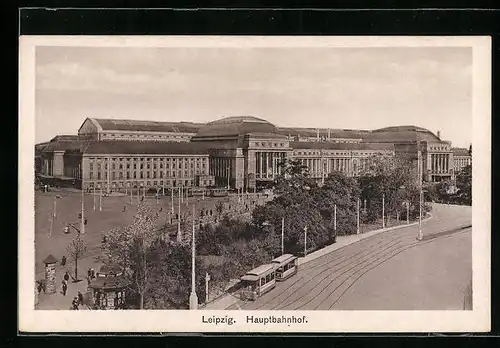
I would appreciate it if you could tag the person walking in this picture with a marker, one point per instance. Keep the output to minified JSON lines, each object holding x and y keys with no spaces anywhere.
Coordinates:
{"x":64,"y":287}
{"x":89,"y":273}
{"x":92,"y":273}
{"x":80,"y":298}
{"x":66,"y":277}
{"x":63,"y":261}
{"x":75,"y":303}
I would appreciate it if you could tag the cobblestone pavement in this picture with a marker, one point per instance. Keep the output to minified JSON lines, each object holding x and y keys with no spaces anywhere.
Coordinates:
{"x":321,"y":283}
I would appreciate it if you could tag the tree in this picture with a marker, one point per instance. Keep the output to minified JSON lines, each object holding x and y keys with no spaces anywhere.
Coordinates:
{"x":219,"y":208}
{"x":76,"y":250}
{"x":128,"y":247}
{"x":392,"y":178}
{"x":464,"y":185}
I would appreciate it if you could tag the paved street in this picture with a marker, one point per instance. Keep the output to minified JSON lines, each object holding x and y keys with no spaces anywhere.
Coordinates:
{"x":391,"y":270}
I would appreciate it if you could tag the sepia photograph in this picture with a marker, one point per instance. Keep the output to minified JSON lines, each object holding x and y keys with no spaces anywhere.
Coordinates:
{"x":254,"y":184}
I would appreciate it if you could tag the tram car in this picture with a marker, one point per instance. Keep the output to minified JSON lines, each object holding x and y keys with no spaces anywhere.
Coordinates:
{"x":218,"y":192}
{"x":285,"y":266}
{"x":198,"y":191}
{"x":257,"y":282}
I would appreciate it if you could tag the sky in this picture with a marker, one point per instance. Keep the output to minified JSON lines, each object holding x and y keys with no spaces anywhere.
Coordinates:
{"x":325,"y":87}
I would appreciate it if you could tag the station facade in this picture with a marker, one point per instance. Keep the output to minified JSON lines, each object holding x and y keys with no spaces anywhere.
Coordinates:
{"x":237,"y":152}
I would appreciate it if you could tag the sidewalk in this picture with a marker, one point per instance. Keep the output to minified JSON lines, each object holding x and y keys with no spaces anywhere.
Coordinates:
{"x":57,"y":301}
{"x":227,"y":300}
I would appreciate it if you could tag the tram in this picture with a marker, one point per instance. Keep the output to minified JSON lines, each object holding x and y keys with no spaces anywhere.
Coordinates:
{"x":197,"y":191}
{"x":218,"y":192}
{"x":285,"y":266}
{"x":257,"y":282}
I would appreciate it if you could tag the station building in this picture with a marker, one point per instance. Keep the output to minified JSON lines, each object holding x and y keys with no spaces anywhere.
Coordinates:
{"x":239,"y":152}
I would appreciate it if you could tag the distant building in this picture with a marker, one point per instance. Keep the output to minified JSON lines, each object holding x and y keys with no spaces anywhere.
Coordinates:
{"x":461,"y":158}
{"x":243,"y":151}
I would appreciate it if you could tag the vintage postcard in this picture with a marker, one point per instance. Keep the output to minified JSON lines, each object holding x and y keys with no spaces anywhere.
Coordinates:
{"x":254,"y":184}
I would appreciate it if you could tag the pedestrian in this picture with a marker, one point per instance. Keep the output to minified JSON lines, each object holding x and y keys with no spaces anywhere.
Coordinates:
{"x":92,"y":273}
{"x":75,"y":303}
{"x":89,"y":273}
{"x":66,"y":276}
{"x":64,"y":287}
{"x":88,"y":281}
{"x":124,"y":208}
{"x":63,"y":261}
{"x":80,"y":298}
{"x":40,"y":287}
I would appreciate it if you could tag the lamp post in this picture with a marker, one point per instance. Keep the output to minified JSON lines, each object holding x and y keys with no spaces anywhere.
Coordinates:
{"x":193,"y":298}
{"x":94,"y":196}
{"x":100,"y":197}
{"x":157,"y":192}
{"x":228,"y":178}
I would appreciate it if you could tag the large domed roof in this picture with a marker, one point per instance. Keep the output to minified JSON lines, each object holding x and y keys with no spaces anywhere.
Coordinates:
{"x":236,"y":125}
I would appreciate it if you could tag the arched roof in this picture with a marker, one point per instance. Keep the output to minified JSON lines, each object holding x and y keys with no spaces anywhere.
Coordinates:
{"x":401,"y":134}
{"x":236,"y":125}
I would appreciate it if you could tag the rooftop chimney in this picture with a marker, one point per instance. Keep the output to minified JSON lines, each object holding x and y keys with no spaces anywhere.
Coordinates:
{"x":439,"y":134}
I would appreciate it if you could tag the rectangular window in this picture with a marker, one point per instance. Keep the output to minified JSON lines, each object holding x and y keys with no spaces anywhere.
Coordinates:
{"x":128,"y":175}
{"x":135,"y":175}
{"x":147,"y":175}
{"x":91,"y":175}
{"x":113,"y":176}
{"x":142,"y":175}
{"x":98,"y":175}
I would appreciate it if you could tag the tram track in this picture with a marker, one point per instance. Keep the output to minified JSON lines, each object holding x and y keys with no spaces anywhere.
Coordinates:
{"x":375,"y":246}
{"x":385,"y":260}
{"x":333,"y":275}
{"x":368,"y":251}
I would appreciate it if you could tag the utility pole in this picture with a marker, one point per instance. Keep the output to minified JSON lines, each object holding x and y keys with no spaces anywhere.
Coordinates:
{"x":407,"y":212}
{"x":282,"y":236}
{"x":305,"y":241}
{"x":420,"y":234}
{"x":357,"y":217}
{"x":109,"y":176}
{"x":207,"y":279}
{"x":173,"y":211}
{"x":383,"y":210}
{"x":179,"y":238}
{"x":55,"y":207}
{"x":82,"y":225}
{"x":193,"y":298}
{"x":157,"y":192}
{"x":335,"y":219}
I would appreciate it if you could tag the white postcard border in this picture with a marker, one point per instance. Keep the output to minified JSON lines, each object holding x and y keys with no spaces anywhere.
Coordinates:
{"x":476,"y":320}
